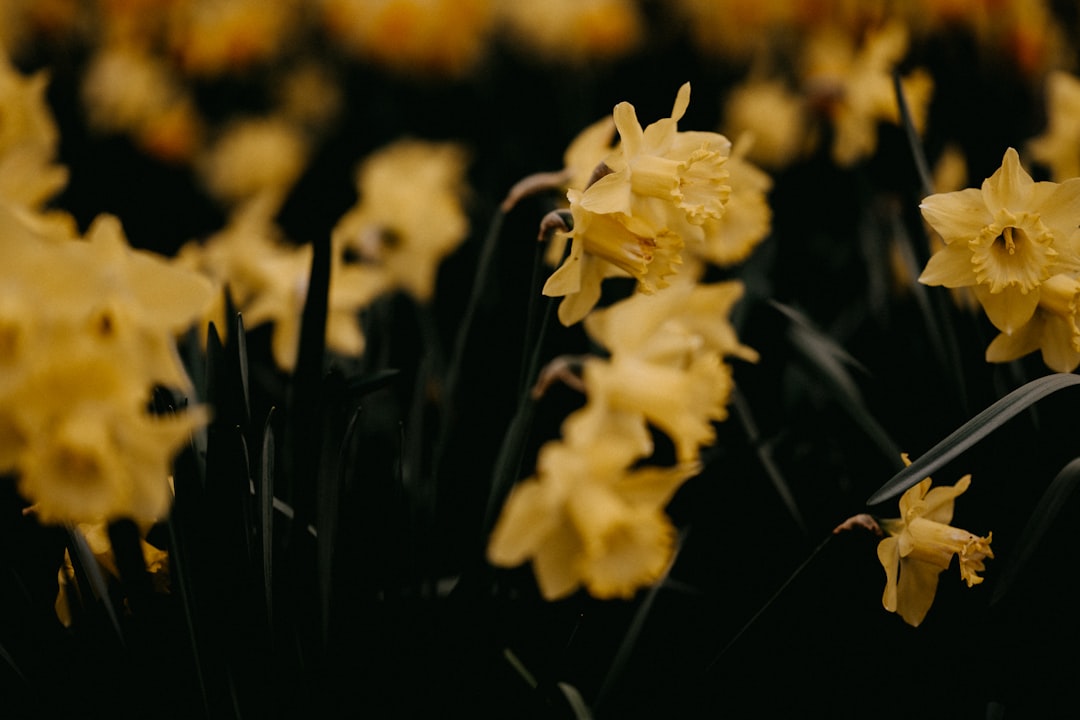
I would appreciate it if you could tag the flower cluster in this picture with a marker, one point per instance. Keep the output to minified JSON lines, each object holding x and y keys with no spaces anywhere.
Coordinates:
{"x":594,"y":514}
{"x":87,"y":328}
{"x":86,"y":333}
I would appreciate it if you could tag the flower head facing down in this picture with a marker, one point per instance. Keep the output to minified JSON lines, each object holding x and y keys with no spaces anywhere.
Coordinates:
{"x":921,"y":543}
{"x":1004,"y":240}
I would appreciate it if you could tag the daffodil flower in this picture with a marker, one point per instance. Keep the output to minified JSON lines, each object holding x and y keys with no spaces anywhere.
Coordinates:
{"x":586,"y":518}
{"x":1004,"y":240}
{"x":921,"y":543}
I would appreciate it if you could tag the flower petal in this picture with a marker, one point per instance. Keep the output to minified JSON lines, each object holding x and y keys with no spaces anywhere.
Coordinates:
{"x":951,"y":266}
{"x":1009,"y":309}
{"x":957,"y":215}
{"x":1010,"y":187}
{"x":915,"y":590}
{"x":525,"y":525}
{"x":888,"y":553}
{"x":1027,"y":339}
{"x":1058,"y":351}
{"x":630,"y":132}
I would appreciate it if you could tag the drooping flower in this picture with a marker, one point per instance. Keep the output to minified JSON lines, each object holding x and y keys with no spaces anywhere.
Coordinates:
{"x":663,"y":186}
{"x":586,"y":518}
{"x":1004,"y":240}
{"x":921,"y":543}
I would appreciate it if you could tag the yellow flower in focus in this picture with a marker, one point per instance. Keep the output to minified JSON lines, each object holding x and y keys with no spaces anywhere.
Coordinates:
{"x":586,"y":519}
{"x":1053,"y":328}
{"x":921,"y":544}
{"x":609,"y":245}
{"x":684,"y":170}
{"x":1004,"y":240}
{"x":1059,"y":146}
{"x":409,"y":215}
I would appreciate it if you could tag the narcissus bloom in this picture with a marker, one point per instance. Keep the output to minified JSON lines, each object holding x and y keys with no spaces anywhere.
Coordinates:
{"x":586,"y":518}
{"x":921,"y":544}
{"x":409,"y":215}
{"x":663,"y":187}
{"x":1004,"y":240}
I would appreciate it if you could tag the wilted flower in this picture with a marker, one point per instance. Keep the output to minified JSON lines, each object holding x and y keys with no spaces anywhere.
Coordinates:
{"x":1004,"y":240}
{"x":921,"y":544}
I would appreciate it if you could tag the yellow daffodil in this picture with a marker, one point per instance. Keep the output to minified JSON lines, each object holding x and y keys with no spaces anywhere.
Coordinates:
{"x":1053,"y":328}
{"x":685,"y":170}
{"x":427,"y":37}
{"x":774,"y":116}
{"x":586,"y":519}
{"x":573,"y":31}
{"x":1004,"y":240}
{"x":84,"y":447}
{"x":254,"y":156}
{"x":855,"y":88}
{"x":1059,"y":146}
{"x":409,"y":216}
{"x":681,"y":402}
{"x":921,"y":543}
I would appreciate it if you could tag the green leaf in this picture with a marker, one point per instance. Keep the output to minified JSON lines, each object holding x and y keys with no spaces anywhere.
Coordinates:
{"x":972,"y":432}
{"x":265,"y":503}
{"x":1042,"y":517}
{"x":827,"y":360}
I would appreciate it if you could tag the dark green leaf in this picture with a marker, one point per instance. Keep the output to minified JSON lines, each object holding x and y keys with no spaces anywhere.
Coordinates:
{"x":1042,"y":517}
{"x":972,"y":432}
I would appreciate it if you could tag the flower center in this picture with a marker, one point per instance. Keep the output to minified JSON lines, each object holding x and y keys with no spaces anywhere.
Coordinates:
{"x":1018,"y":252}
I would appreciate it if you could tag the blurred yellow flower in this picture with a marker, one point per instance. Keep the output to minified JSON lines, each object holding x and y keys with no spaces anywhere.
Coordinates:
{"x":921,"y":544}
{"x":409,"y":215}
{"x":854,"y":85}
{"x":1004,"y":240}
{"x":773,"y":116}
{"x":586,"y":518}
{"x":747,"y":217}
{"x":211,"y":37}
{"x":436,"y":37}
{"x":1059,"y":146}
{"x":254,"y":156}
{"x":572,"y":31}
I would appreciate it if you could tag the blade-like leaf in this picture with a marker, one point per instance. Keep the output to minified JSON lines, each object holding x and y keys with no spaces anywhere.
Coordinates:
{"x":265,"y":501}
{"x":576,"y":702}
{"x":1042,"y":517}
{"x":972,"y":432}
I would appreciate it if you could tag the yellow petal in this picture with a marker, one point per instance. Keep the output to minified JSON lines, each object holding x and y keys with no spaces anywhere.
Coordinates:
{"x":951,"y":266}
{"x":1059,"y":350}
{"x":630,"y":132}
{"x":527,"y":519}
{"x":1009,"y":309}
{"x":888,"y":553}
{"x":1027,"y":339}
{"x":915,"y":590}
{"x":1009,"y":187}
{"x":957,"y":215}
